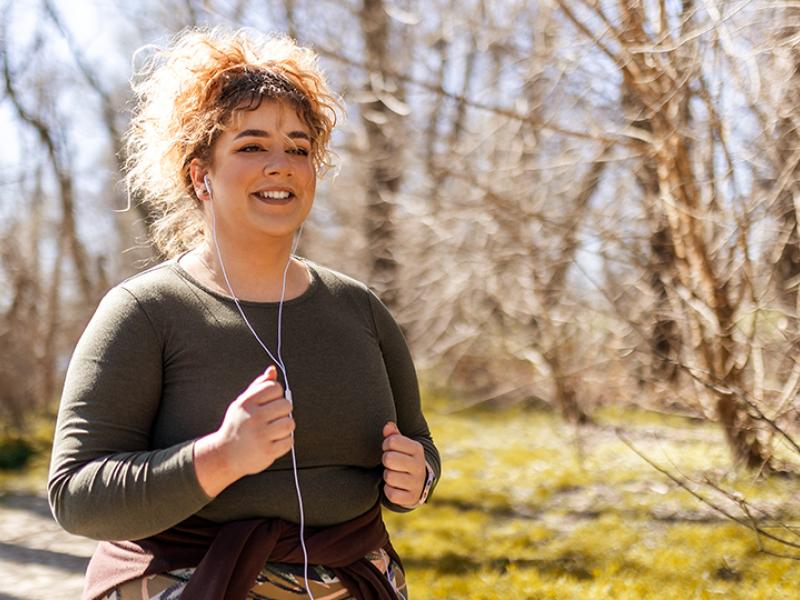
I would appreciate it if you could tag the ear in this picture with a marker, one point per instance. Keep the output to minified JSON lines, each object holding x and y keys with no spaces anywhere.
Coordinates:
{"x":197,"y":171}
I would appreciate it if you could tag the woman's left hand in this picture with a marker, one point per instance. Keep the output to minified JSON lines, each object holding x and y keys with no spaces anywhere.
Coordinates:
{"x":405,"y":471}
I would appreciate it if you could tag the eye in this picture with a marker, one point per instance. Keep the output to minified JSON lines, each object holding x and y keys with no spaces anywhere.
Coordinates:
{"x":250,"y":148}
{"x":298,"y":151}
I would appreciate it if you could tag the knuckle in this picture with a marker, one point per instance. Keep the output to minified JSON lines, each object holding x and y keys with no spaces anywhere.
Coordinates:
{"x":283,"y":445}
{"x":274,"y":411}
{"x":269,"y":390}
{"x":280,"y":406}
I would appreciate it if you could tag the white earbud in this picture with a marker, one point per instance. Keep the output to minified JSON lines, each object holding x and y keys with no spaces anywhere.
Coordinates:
{"x":208,"y":185}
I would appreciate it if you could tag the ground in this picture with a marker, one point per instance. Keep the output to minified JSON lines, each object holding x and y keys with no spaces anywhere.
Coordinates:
{"x":38,"y":560}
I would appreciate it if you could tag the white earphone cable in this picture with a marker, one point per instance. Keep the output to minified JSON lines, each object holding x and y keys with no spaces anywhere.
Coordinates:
{"x":278,"y":361}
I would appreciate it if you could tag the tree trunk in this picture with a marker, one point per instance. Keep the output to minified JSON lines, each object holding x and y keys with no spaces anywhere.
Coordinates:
{"x":384,"y":173}
{"x":741,"y":434}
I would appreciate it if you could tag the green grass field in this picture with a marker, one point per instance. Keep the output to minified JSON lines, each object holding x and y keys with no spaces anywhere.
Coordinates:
{"x":530,"y":507}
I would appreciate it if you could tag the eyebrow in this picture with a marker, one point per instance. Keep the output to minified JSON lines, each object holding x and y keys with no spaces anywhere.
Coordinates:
{"x":261,"y":133}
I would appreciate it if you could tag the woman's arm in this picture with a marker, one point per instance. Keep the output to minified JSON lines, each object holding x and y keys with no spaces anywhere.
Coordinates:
{"x":105,"y":482}
{"x":405,"y":389}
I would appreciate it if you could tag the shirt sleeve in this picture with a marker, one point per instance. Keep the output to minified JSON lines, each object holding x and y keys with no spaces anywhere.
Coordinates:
{"x":405,"y":389}
{"x":105,"y":481}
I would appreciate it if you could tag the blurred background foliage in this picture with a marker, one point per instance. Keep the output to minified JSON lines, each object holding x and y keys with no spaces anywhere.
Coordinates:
{"x":583,"y":213}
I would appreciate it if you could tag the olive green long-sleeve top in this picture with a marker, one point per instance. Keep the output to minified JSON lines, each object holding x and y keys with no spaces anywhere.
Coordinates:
{"x":157,"y":367}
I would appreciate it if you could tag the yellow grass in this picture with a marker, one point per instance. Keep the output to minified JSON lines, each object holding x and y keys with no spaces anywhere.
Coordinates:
{"x":530,"y":507}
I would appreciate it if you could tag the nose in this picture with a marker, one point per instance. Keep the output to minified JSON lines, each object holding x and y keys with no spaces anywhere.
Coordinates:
{"x":277,"y":163}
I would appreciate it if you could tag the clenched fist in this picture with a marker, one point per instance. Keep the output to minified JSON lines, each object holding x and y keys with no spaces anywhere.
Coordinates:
{"x":405,"y":471}
{"x":257,"y":430}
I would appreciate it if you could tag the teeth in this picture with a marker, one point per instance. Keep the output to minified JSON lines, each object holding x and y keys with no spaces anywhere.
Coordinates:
{"x":273,"y":195}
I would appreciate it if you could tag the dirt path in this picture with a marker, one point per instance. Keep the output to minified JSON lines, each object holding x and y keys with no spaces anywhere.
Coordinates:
{"x":38,"y":560}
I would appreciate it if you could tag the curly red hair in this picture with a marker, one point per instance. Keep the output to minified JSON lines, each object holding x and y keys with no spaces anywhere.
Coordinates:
{"x":188,"y":92}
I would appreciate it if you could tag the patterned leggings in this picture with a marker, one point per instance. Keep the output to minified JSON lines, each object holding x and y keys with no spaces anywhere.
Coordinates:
{"x":277,"y":581}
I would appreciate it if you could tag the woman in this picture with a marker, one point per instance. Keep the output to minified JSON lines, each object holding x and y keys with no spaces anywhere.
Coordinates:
{"x":235,"y":416}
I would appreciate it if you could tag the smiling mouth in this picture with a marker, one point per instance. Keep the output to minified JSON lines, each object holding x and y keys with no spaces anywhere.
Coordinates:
{"x":275,"y":198}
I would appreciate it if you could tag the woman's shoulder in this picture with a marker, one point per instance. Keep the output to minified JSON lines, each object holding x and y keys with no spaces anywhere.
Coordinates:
{"x":336,"y":281}
{"x":159,"y":276}
{"x":154,"y":284}
{"x":345,"y":289}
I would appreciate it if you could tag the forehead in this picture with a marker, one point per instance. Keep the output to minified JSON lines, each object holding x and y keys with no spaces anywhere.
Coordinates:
{"x":271,"y":115}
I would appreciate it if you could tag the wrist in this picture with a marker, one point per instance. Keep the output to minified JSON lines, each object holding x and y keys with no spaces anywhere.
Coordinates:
{"x":430,"y":477}
{"x":213,"y":468}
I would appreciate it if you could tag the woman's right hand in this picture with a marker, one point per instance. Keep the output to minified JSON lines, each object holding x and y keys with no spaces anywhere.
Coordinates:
{"x":256,"y":431}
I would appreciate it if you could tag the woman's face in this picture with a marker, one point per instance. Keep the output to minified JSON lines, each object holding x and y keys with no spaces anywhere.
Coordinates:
{"x":262,"y":174}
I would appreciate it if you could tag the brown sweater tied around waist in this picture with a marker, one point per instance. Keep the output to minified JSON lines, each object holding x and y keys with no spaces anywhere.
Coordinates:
{"x":229,"y":556}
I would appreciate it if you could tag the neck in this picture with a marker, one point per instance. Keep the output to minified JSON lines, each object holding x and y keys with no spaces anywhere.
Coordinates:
{"x":253,"y":273}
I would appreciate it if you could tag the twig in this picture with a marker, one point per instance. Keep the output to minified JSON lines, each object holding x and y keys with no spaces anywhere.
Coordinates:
{"x":466,"y":101}
{"x":749,"y":523}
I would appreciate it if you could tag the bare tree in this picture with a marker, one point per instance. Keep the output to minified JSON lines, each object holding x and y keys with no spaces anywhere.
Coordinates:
{"x":380,"y":119}
{"x":57,"y":151}
{"x":706,"y":240}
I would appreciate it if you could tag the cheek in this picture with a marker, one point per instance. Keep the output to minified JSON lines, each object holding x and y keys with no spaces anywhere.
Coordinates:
{"x":235,"y":172}
{"x":311,"y":180}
